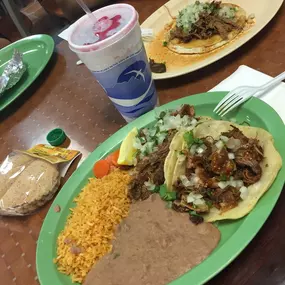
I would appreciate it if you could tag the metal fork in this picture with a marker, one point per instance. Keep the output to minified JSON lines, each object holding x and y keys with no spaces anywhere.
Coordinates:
{"x":241,"y":94}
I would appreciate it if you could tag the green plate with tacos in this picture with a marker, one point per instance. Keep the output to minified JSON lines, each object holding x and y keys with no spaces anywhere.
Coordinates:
{"x":225,"y":175}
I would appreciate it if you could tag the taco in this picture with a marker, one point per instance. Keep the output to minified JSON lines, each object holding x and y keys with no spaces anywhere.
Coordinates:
{"x":223,"y":170}
{"x":154,"y":165}
{"x":203,"y":27}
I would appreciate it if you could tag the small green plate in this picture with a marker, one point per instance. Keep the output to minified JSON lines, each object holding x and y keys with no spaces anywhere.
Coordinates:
{"x":235,"y":235}
{"x":37,"y":51}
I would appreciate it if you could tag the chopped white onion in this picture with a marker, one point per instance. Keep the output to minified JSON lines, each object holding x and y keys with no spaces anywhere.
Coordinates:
{"x":223,"y":184}
{"x":199,"y":202}
{"x":233,"y":183}
{"x":137,"y":143}
{"x":196,"y":199}
{"x":231,"y":155}
{"x":185,"y":181}
{"x":239,"y":183}
{"x":150,"y":186}
{"x":200,"y":150}
{"x":231,"y":178}
{"x":203,"y":146}
{"x":190,"y":199}
{"x":243,"y":192}
{"x":224,"y":138}
{"x":219,"y":145}
{"x":194,"y":122}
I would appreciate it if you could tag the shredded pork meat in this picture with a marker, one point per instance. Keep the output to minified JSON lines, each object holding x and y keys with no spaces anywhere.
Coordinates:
{"x":207,"y":26}
{"x":214,"y":166}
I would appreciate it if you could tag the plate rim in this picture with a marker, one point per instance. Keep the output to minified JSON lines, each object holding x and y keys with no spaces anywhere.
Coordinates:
{"x":48,"y":40}
{"x":197,"y":274}
{"x":161,"y":76}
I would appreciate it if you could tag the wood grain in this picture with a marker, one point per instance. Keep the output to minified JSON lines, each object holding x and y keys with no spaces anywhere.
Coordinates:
{"x":67,"y":96}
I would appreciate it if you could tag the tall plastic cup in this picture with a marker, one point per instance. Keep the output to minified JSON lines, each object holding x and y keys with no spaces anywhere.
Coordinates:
{"x":119,"y":61}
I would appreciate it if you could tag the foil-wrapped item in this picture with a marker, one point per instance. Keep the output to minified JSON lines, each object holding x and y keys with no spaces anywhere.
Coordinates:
{"x":13,"y":72}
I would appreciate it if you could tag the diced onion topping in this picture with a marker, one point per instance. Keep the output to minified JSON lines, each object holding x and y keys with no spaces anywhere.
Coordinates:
{"x":185,"y":181}
{"x":188,"y":183}
{"x":150,"y":186}
{"x":231,"y":155}
{"x":196,"y":199}
{"x":156,"y":134}
{"x":243,"y":192}
{"x":200,"y":150}
{"x":223,"y":184}
{"x":231,"y":182}
{"x":219,"y":145}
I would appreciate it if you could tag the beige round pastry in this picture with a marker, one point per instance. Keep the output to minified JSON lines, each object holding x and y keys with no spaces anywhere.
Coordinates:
{"x":32,"y":188}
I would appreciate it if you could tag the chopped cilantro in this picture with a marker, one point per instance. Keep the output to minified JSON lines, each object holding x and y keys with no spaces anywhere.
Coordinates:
{"x":164,"y":44}
{"x":209,"y":203}
{"x":223,"y":177}
{"x":209,"y":193}
{"x":156,"y":189}
{"x":193,"y":213}
{"x":162,"y":191}
{"x":198,"y":141}
{"x":166,"y":195}
{"x":189,"y":139}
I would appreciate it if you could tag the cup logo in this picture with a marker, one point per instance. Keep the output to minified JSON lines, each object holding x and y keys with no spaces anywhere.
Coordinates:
{"x":130,"y":86}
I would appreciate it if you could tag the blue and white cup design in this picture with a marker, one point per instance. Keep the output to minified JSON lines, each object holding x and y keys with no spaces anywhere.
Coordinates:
{"x":129,"y":85}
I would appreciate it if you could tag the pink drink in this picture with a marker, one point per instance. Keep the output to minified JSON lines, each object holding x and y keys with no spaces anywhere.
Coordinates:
{"x":114,"y":52}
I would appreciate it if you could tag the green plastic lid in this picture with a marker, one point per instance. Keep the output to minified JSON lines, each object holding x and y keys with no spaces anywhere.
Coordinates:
{"x":56,"y":137}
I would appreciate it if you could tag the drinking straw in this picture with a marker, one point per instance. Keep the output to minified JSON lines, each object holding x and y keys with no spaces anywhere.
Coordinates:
{"x":87,"y":10}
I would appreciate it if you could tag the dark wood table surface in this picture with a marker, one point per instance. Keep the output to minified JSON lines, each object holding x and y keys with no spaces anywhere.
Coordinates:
{"x":67,"y":96}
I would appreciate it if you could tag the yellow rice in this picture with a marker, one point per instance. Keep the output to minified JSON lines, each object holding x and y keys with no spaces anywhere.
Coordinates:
{"x":101,"y":205}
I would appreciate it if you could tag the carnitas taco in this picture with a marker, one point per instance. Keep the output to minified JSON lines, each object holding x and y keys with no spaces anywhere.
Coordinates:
{"x":153,"y":165}
{"x":203,"y":27}
{"x":222,"y":170}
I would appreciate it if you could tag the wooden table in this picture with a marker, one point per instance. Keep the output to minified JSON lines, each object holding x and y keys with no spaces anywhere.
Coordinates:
{"x":67,"y":96}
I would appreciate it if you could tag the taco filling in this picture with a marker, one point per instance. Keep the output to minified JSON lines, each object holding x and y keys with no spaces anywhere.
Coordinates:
{"x":202,"y":27}
{"x":218,"y":172}
{"x":204,"y":20}
{"x":153,"y":145}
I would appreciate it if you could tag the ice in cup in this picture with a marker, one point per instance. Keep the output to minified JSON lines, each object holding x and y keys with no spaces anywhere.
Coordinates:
{"x":112,"y":49}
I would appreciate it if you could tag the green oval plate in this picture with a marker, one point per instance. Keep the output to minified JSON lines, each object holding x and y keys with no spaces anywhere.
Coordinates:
{"x":235,"y":235}
{"x":37,"y":51}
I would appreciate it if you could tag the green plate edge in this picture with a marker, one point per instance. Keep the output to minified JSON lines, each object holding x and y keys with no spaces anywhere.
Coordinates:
{"x":248,"y":226}
{"x":22,"y":86}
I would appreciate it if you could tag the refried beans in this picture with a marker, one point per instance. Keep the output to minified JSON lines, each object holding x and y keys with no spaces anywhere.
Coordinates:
{"x":154,"y":245}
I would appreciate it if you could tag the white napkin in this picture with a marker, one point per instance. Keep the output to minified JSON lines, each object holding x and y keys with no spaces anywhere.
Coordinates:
{"x":245,"y":75}
{"x":65,"y":33}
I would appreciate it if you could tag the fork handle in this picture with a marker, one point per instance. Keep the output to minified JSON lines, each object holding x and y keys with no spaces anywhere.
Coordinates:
{"x":274,"y":81}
